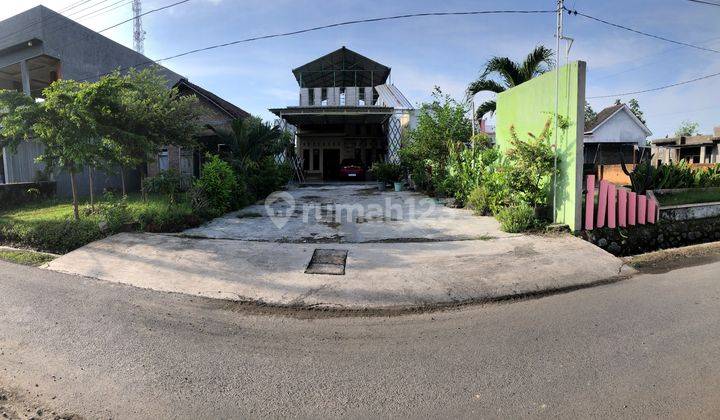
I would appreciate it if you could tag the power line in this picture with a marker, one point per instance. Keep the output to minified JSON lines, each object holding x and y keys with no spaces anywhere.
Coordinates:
{"x":328,"y":26}
{"x":662,"y":38}
{"x":631,"y":69}
{"x":705,"y":2}
{"x":66,"y":45}
{"x":657,"y":88}
{"x":56,"y":17}
{"x":72,"y":6}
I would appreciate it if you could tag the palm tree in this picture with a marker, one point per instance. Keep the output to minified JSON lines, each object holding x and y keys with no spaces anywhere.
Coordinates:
{"x":510,"y":73}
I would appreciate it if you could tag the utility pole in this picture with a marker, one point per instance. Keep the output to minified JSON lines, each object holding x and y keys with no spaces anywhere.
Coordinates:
{"x":138,"y":33}
{"x":558,"y":36}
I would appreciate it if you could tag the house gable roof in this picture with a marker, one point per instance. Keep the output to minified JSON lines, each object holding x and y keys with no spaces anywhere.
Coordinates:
{"x":342,"y":67}
{"x":609,"y":112}
{"x":224,"y":106}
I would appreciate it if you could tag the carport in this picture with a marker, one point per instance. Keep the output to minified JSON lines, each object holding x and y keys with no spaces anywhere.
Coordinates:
{"x":326,"y":136}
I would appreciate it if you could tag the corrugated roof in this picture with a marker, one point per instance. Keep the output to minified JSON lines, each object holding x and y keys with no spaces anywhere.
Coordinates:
{"x":342,"y":67}
{"x":389,"y":95}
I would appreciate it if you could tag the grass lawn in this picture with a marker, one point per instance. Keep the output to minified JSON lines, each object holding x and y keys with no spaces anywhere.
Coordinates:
{"x":49,"y":225}
{"x":689,"y":197}
{"x":62,"y":209}
{"x":31,"y":258}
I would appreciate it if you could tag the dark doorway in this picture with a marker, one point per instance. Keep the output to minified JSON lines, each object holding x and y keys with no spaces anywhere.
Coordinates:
{"x":331,"y":164}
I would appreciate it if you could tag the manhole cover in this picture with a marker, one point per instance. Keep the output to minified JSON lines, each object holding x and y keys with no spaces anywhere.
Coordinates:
{"x":327,"y":261}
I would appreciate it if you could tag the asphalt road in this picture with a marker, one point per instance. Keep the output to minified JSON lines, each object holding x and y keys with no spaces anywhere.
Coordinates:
{"x":644,"y":347}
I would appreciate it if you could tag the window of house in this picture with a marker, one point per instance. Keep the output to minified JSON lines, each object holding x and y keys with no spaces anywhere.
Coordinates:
{"x":342,"y":96}
{"x":311,"y":96}
{"x":306,"y":159}
{"x":316,"y":160}
{"x":323,"y":97}
{"x":361,"y":97}
{"x":163,"y":159}
{"x":358,"y":155}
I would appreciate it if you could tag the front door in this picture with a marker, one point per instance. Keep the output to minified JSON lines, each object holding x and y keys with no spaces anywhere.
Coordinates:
{"x":331,"y":164}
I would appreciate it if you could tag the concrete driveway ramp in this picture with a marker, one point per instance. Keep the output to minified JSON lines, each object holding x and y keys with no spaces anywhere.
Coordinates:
{"x":378,"y":275}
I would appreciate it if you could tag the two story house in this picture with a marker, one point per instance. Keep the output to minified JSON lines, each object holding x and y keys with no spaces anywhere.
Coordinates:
{"x":347,"y":111}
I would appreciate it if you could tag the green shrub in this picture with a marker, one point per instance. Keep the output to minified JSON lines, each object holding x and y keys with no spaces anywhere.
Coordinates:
{"x":531,"y":166}
{"x":57,"y":236}
{"x":219,"y":183}
{"x":167,"y":218}
{"x":268,"y":176}
{"x":441,"y":122}
{"x":168,"y":183}
{"x":467,"y":167}
{"x":116,"y":213}
{"x":517,"y":218}
{"x":386,"y":171}
{"x":479,"y":200}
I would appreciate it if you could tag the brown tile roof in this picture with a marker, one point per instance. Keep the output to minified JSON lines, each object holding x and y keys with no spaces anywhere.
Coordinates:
{"x":225,"y":106}
{"x":601,"y":117}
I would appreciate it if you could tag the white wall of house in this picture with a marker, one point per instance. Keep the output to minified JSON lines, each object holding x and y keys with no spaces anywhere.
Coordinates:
{"x":620,"y":128}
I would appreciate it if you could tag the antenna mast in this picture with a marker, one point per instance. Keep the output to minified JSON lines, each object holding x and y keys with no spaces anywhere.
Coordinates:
{"x":138,"y":33}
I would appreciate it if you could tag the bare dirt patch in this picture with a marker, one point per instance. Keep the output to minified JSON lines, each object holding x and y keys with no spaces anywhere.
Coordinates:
{"x":665,"y":260}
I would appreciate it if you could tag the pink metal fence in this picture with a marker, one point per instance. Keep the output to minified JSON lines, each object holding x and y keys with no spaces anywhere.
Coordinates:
{"x":617,"y":206}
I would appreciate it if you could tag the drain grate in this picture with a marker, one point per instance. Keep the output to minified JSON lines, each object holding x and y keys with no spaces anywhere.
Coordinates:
{"x":328,"y":261}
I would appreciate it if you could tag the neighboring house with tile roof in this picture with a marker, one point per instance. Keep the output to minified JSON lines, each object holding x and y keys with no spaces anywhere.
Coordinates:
{"x":614,"y":134}
{"x":40,"y":46}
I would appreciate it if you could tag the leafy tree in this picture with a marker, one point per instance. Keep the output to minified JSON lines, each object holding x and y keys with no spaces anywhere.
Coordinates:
{"x":590,"y":114}
{"x":137,"y":115}
{"x":687,"y":129}
{"x":441,"y":123}
{"x":60,"y":122}
{"x":510,"y":74}
{"x":252,"y":146}
{"x":634,"y":108}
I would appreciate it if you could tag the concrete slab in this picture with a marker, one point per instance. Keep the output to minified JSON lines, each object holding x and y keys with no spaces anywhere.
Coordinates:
{"x":350,"y":213}
{"x":378,"y":275}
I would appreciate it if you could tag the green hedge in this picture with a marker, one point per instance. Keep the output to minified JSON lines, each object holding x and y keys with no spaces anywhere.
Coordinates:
{"x":13,"y":195}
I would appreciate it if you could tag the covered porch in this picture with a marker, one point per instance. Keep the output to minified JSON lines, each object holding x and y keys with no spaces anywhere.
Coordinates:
{"x":326,"y":137}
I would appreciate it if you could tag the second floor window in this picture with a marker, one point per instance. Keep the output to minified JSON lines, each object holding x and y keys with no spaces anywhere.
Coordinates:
{"x":361,"y":97}
{"x":342,"y":96}
{"x":311,"y":96}
{"x":324,"y":97}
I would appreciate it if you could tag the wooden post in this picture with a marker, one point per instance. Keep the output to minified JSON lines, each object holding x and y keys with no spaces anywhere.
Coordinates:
{"x":622,"y":207}
{"x":611,"y":206}
{"x":602,"y":203}
{"x":590,"y":202}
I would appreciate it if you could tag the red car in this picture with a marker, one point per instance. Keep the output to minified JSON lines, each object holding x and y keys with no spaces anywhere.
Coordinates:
{"x":351,"y":169}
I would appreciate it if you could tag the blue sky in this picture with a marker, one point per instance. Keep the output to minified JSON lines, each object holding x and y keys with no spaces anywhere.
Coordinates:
{"x":445,"y":51}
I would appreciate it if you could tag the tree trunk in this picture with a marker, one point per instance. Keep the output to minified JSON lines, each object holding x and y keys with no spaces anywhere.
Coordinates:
{"x":91,"y":177}
{"x":73,"y":185}
{"x":122,"y":179}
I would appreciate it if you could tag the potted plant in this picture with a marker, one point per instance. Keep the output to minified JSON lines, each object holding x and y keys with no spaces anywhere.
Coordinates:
{"x":397,"y":175}
{"x":385,"y":172}
{"x":380,"y":172}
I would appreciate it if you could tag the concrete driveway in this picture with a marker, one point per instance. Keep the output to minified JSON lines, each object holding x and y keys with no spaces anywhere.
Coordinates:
{"x":393,"y":250}
{"x":349,"y":213}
